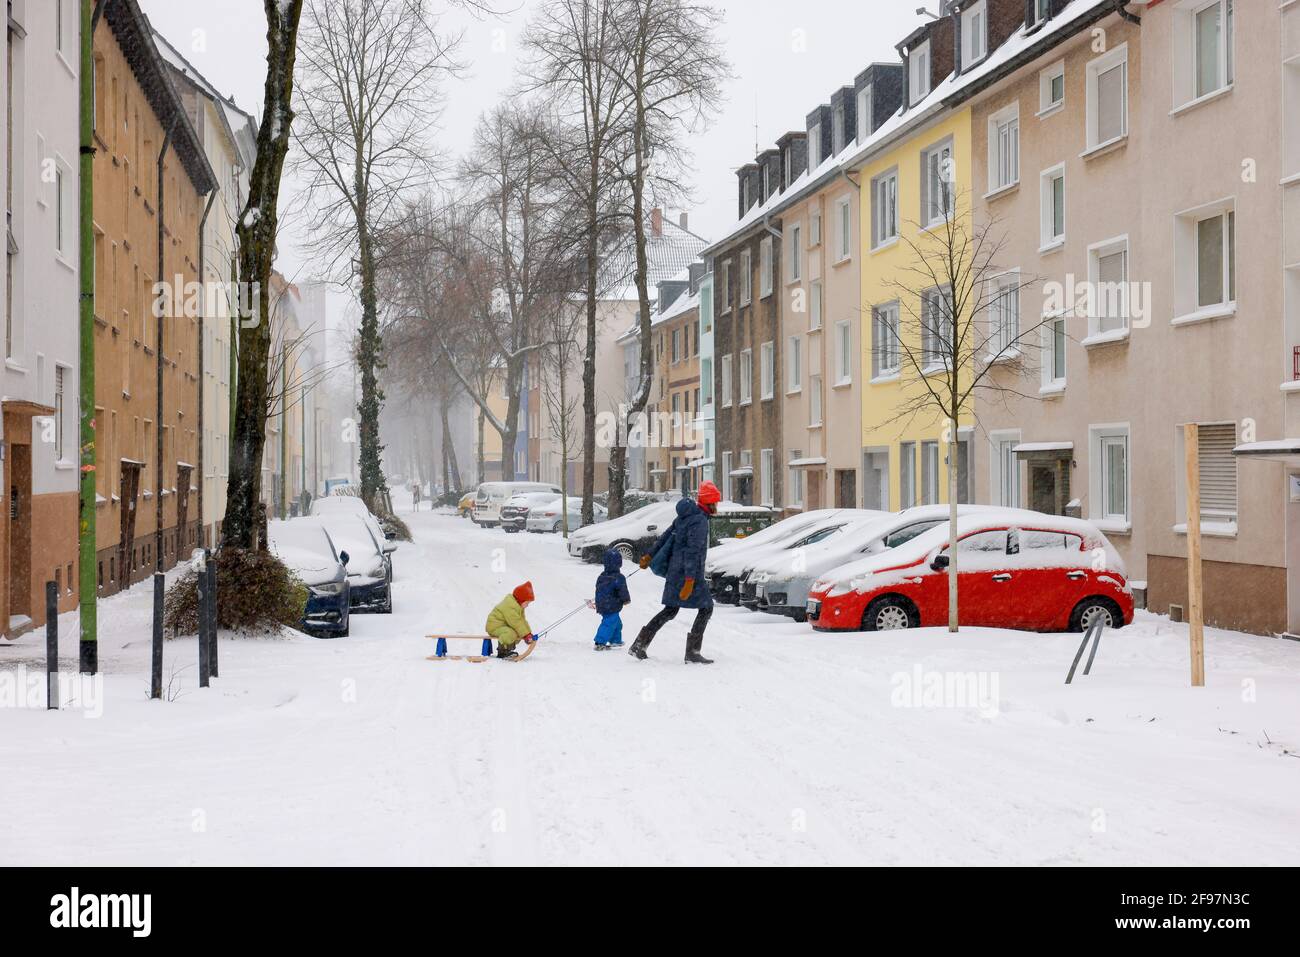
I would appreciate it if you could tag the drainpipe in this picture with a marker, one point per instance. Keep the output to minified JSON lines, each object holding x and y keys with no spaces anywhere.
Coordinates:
{"x":1121,"y":7}
{"x":203,"y":299}
{"x":159,"y":446}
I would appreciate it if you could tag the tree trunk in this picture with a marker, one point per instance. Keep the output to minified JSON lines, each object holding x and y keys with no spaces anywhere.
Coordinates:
{"x":373,"y":485}
{"x":589,"y":359}
{"x":480,"y":472}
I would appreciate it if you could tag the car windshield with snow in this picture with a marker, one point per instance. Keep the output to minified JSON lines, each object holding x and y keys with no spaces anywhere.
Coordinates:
{"x":305,"y":547}
{"x":370,"y":573}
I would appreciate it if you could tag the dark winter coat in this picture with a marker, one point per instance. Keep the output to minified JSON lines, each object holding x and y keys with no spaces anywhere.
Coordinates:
{"x":611,"y":586}
{"x":690,"y":532}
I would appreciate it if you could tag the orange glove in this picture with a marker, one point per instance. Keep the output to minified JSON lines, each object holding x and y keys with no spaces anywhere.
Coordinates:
{"x":645,"y":561}
{"x":687,"y":589}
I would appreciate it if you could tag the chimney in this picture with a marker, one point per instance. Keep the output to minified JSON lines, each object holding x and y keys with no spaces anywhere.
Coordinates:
{"x":657,"y":223}
{"x":682,"y":221}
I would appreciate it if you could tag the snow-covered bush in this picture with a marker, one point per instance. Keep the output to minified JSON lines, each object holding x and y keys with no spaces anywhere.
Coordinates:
{"x":256,"y":594}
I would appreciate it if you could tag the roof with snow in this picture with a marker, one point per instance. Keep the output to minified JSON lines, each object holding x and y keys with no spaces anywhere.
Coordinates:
{"x":669,"y":253}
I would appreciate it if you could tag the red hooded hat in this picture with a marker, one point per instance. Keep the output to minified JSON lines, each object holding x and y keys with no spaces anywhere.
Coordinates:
{"x":524,"y":593}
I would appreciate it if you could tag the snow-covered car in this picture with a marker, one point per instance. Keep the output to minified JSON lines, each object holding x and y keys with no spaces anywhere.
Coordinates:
{"x":1014,"y":570}
{"x":546,"y":516}
{"x":514,"y":514}
{"x":307,"y":550}
{"x":631,"y":535}
{"x":784,"y":580}
{"x":729,"y":564}
{"x":491,"y":496}
{"x":370,"y":571}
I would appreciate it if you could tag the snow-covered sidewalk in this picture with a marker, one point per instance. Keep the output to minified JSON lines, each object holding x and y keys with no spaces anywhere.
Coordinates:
{"x":795,"y":748}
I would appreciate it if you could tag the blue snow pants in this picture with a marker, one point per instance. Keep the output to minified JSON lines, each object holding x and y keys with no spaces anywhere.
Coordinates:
{"x":610,"y":631}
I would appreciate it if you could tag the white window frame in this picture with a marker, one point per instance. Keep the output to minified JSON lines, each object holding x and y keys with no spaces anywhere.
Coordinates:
{"x":814,"y":147}
{"x":814,"y":229}
{"x":1054,"y":339}
{"x":865,"y":102}
{"x":815,"y":409}
{"x":794,"y":365}
{"x":1046,"y":79}
{"x":1220,"y":522}
{"x":907,"y":495}
{"x":765,"y":263}
{"x":1112,"y":59}
{"x":746,"y":376}
{"x":843,"y":229}
{"x":725,"y":270}
{"x":1186,"y":52}
{"x":838,"y":130}
{"x":1004,"y":325}
{"x":1039,"y":13}
{"x":843,"y":353}
{"x":1047,"y":202}
{"x":918,"y":73}
{"x":930,"y":472}
{"x":794,"y":254}
{"x":767,"y":476}
{"x":884,"y":209}
{"x":933,"y":342}
{"x":816,"y":305}
{"x":974,"y":27}
{"x":1004,"y":172}
{"x":1003,"y":460}
{"x":1102,"y":439}
{"x":746,"y":278}
{"x":796,"y":481}
{"x":1096,"y":253}
{"x":724,"y":380}
{"x":931,"y":215}
{"x":726,"y":476}
{"x":767,"y":369}
{"x":886,"y":352}
{"x":1187,"y":262}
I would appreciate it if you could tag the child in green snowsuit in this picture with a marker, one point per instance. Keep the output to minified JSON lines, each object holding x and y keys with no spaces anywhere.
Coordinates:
{"x":507,"y":623}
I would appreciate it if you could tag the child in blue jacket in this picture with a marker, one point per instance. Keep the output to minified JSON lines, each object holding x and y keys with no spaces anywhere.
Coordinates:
{"x":611,"y":596}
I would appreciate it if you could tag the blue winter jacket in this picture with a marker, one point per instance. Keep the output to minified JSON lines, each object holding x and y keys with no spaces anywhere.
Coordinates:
{"x":611,"y":586}
{"x":690,"y":531}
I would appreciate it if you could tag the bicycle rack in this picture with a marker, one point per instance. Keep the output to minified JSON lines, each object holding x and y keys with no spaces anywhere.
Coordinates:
{"x":1094,"y":632}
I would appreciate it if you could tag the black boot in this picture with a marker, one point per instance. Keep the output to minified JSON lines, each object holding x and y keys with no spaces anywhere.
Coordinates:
{"x":694,"y":643}
{"x":638,"y":649}
{"x":506,"y":651}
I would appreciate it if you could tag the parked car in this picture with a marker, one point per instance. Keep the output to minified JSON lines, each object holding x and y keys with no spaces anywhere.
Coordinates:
{"x":351,"y":505}
{"x":370,"y":572}
{"x":1014,"y":570}
{"x":491,"y":496}
{"x":631,"y":535}
{"x":783,"y":583}
{"x":514,"y":514}
{"x":546,"y":517}
{"x":306,"y":548}
{"x":729,"y":564}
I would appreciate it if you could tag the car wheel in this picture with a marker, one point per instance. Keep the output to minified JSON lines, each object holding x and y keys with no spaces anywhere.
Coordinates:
{"x":626,"y":550}
{"x":890,"y":613}
{"x":1090,"y":611}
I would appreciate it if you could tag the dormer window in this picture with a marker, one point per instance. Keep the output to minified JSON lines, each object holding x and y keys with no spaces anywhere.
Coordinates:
{"x":789,"y":166}
{"x":744,"y":192}
{"x":1040,"y":12}
{"x":767,"y":182}
{"x":815,"y":146}
{"x":974,"y":33}
{"x":864,"y":114}
{"x":837,"y":130}
{"x":918,"y":79}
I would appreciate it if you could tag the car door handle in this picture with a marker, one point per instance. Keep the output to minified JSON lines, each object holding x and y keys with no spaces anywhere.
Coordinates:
{"x":1076,"y":576}
{"x":1002,"y":578}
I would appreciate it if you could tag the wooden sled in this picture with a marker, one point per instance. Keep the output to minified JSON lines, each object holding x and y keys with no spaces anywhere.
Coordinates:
{"x":442,"y":655}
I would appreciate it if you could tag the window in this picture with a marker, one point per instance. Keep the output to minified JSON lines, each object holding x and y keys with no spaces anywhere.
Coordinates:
{"x":937,"y":186}
{"x":843,"y":230}
{"x":918,"y":73}
{"x":1004,"y":148}
{"x":814,"y":146}
{"x":884,"y":212}
{"x":1051,"y":89}
{"x":724,"y":381}
{"x":796,"y":481}
{"x":936,"y":330}
{"x":1218,"y":469}
{"x":1053,"y":207}
{"x":844,"y":352}
{"x":767,"y":182}
{"x":1006,"y":469}
{"x":789,"y":166}
{"x":974,"y":33}
{"x":884,"y":341}
{"x":1108,"y":277}
{"x":815,"y":229}
{"x":1110,"y":475}
{"x":676,"y":348}
{"x":1053,"y":338}
{"x":794,"y":364}
{"x":765,"y":267}
{"x":814,"y":400}
{"x":929,"y":473}
{"x":1039,"y":12}
{"x":767,"y":477}
{"x":794,"y":254}
{"x":746,"y":279}
{"x":746,"y":376}
{"x":906,"y":474}
{"x":1202,"y":49}
{"x":837,"y":130}
{"x":725,"y":287}
{"x":726,"y":476}
{"x":1004,"y":314}
{"x":767,"y":369}
{"x":1215,"y":260}
{"x":864,"y":113}
{"x":60,"y":29}
{"x":1108,"y":98}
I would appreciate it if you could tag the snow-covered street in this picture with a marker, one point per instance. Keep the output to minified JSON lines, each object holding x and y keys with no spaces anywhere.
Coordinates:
{"x":795,"y":748}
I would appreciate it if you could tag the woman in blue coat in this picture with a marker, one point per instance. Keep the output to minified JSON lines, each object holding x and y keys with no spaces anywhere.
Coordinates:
{"x":685,"y":585}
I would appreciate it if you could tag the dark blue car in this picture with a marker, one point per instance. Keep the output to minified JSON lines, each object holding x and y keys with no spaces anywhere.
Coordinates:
{"x":306,"y":548}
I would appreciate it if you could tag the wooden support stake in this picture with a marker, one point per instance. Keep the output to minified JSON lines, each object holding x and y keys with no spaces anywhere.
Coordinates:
{"x":1195,"y":608}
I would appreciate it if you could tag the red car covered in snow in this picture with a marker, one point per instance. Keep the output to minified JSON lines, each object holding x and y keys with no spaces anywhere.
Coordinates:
{"x":1014,"y":570}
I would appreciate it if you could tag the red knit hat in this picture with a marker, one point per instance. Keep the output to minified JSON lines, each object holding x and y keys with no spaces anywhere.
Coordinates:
{"x":524,"y":593}
{"x":708,"y":494}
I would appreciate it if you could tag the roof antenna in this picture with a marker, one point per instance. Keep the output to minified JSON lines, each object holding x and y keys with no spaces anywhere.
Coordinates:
{"x":755,"y":124}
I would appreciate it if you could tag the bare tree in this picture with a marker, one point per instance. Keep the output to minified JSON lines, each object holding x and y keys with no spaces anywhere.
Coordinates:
{"x":368,"y":99}
{"x":256,"y":235}
{"x":957,"y":331}
{"x":561,"y":399}
{"x":671,"y":69}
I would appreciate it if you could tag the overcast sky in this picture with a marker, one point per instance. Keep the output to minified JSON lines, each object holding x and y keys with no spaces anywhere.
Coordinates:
{"x":787,"y":57}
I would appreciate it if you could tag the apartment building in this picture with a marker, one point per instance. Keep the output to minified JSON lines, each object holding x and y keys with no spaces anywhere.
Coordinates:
{"x":39,"y":427}
{"x":151,"y":181}
{"x":229,"y":139}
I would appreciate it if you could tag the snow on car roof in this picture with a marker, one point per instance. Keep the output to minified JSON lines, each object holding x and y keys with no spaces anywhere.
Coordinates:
{"x":305,"y":548}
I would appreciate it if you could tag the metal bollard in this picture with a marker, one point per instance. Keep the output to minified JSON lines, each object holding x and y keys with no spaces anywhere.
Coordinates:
{"x":51,"y":646}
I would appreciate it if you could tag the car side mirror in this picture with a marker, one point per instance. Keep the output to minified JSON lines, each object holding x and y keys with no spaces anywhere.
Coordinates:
{"x":390,"y":536}
{"x":344,"y":557}
{"x":940,"y":563}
